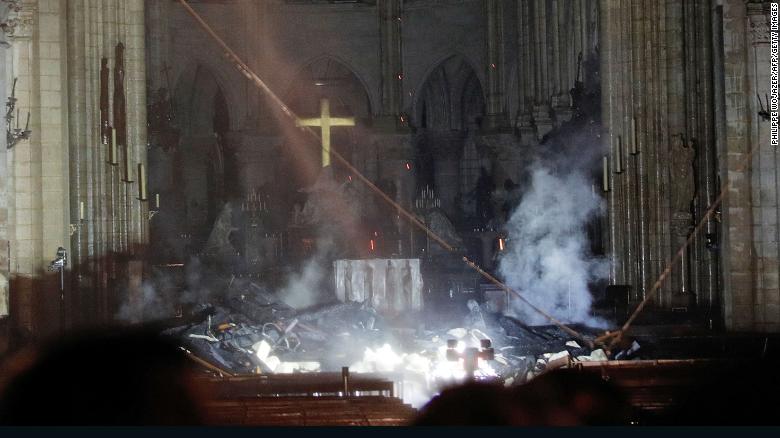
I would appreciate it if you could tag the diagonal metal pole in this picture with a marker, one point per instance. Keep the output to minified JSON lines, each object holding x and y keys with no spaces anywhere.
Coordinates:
{"x":244,"y":69}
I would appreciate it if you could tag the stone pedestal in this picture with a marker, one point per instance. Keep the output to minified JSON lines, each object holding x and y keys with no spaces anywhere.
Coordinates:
{"x":562,"y":109}
{"x":526,"y":130}
{"x":543,"y":120}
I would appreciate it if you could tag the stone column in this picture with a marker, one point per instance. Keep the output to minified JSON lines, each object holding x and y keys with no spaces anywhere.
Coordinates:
{"x":6,"y":14}
{"x":635,"y":139}
{"x":525,"y":75}
{"x":541,"y":112}
{"x":391,"y":51}
{"x":115,"y":219}
{"x":562,"y":29}
{"x":765,"y":196}
{"x":608,"y":92}
{"x":495,"y":117}
{"x":394,"y":152}
{"x":622,"y":129}
{"x":681,"y":193}
{"x":36,"y":186}
{"x":739,"y":258}
{"x":706,"y":262}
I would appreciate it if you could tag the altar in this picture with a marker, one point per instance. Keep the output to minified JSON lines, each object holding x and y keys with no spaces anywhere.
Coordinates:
{"x":389,"y":285}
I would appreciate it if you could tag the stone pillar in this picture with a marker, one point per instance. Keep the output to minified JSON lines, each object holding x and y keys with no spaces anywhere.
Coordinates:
{"x":562,"y":29}
{"x":608,"y":98}
{"x":765,"y":196}
{"x":116,"y":221}
{"x":635,"y":140}
{"x":738,"y":256}
{"x":394,"y":152}
{"x":391,"y":51}
{"x":36,"y":187}
{"x":622,"y":128}
{"x":541,"y":111}
{"x":706,"y":257}
{"x":6,"y":15}
{"x":495,"y":117}
{"x":525,"y":75}
{"x":658,"y":107}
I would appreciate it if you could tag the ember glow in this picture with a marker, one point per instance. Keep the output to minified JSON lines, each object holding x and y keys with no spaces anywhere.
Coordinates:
{"x":424,"y":373}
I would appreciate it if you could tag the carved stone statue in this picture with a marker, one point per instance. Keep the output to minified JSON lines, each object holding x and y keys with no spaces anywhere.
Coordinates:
{"x":683,"y":183}
{"x":219,"y":242}
{"x":442,"y":226}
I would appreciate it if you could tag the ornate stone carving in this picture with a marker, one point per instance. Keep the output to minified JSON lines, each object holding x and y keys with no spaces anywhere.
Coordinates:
{"x":683,"y":182}
{"x":8,"y":18}
{"x":758,"y":15}
{"x":16,"y":19}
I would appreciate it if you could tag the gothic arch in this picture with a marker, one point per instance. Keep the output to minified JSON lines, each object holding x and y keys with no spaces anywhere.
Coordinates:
{"x":205,"y":114}
{"x":447,"y":95}
{"x":347,"y":85}
{"x":195,"y":96}
{"x":216,"y":79}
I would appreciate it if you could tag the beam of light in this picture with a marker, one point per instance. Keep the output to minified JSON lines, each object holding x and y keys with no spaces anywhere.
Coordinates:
{"x":245,"y":70}
{"x":424,"y":373}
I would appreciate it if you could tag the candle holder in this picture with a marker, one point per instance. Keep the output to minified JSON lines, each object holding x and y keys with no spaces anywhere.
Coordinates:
{"x":15,"y":135}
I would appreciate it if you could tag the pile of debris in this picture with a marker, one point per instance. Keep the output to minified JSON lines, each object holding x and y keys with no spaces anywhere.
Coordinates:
{"x":250,"y":331}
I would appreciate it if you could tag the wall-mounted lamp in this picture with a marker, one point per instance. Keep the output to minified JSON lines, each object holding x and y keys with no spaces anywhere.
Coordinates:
{"x":15,"y":135}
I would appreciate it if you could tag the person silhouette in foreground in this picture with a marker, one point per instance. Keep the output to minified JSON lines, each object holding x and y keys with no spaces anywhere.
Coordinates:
{"x":737,"y":394}
{"x":557,"y":398}
{"x":116,"y":378}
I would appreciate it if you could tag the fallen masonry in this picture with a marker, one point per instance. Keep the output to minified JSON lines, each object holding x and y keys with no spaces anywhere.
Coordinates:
{"x":251,"y":333}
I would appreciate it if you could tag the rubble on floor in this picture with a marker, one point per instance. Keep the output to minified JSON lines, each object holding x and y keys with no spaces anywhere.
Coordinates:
{"x":251,"y":332}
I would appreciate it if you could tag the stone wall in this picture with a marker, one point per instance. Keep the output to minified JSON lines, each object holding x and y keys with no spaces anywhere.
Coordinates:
{"x":681,"y":119}
{"x":54,"y":53}
{"x":504,"y":43}
{"x":36,"y":187}
{"x":751,"y":292}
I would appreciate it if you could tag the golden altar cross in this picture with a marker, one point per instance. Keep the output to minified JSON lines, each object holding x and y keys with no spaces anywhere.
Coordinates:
{"x":326,"y":122}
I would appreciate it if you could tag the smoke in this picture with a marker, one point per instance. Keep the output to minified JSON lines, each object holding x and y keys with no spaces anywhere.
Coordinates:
{"x":301,"y":288}
{"x":149,"y":306}
{"x":161,"y":296}
{"x":305,"y":288}
{"x":333,"y":208}
{"x":548,"y":257}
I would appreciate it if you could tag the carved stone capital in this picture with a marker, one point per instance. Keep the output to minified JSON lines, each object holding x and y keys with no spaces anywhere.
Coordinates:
{"x":16,"y":20}
{"x":758,"y":15}
{"x":682,"y":224}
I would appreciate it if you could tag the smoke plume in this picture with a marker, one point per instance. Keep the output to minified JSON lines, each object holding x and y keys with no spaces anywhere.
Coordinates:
{"x":548,"y":256}
{"x":308,"y":287}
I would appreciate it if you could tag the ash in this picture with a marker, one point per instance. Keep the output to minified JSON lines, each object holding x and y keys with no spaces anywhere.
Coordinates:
{"x":249,"y":330}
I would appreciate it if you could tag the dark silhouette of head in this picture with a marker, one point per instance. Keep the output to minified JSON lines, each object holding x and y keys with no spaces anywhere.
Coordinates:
{"x":557,"y":398}
{"x":117,"y":378}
